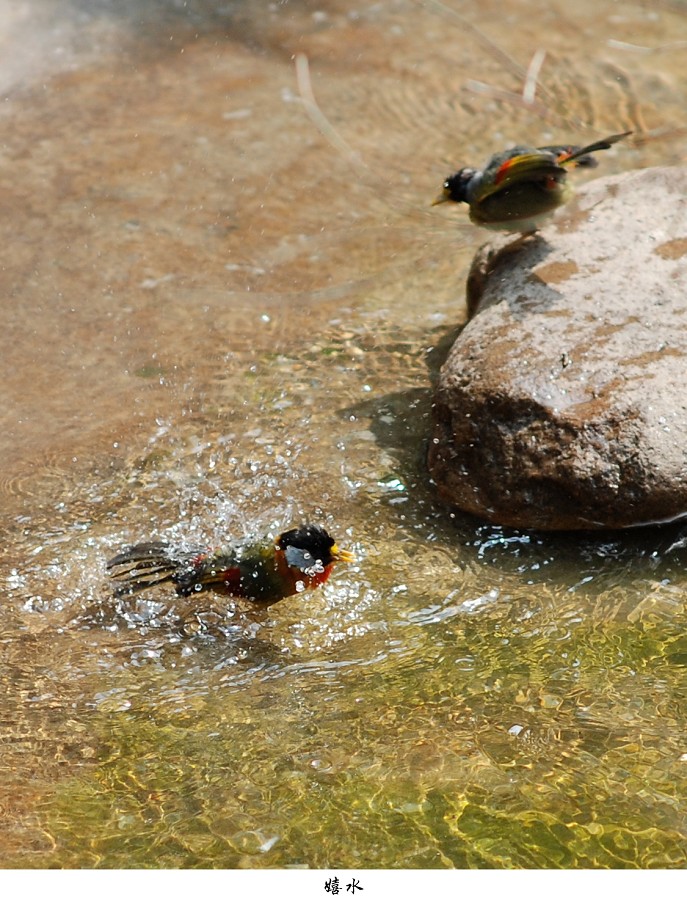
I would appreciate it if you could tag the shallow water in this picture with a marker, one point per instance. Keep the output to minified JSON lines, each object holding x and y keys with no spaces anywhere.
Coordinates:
{"x":218,"y":322}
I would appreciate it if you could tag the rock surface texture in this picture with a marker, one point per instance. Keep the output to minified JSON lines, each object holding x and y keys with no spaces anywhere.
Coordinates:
{"x":563,"y":403}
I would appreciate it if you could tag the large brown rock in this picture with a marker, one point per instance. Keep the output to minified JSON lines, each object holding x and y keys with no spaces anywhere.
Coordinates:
{"x":563,"y":404}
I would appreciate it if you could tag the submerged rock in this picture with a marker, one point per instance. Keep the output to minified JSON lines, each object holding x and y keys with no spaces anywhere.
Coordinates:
{"x":562,"y":405}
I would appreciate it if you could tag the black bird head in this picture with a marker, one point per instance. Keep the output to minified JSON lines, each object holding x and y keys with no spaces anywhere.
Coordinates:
{"x":456,"y":187}
{"x":310,"y":548}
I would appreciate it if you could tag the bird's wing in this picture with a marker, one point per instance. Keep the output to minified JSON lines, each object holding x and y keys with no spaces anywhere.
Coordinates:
{"x":530,"y":165}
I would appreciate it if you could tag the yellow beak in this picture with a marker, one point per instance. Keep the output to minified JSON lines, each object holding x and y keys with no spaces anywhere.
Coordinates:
{"x":343,"y":555}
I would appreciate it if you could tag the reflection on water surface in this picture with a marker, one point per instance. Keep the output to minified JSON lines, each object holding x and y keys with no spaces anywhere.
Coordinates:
{"x":214,"y":323}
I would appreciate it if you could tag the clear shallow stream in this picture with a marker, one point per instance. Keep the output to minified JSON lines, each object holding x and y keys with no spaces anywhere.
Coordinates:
{"x":216,"y":321}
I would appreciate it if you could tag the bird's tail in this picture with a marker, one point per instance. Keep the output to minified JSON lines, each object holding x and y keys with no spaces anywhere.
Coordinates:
{"x":141,"y":566}
{"x":580,"y":156}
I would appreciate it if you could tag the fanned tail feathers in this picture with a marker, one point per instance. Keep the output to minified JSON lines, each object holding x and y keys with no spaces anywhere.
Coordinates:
{"x":141,"y":566}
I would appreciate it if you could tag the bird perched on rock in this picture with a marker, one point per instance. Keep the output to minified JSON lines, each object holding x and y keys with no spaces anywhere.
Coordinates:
{"x":265,"y":571}
{"x":520,"y":188}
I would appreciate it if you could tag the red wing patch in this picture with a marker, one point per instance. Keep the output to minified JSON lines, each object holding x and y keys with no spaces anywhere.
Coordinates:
{"x":228,"y":580}
{"x":230,"y":577}
{"x":502,"y":170}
